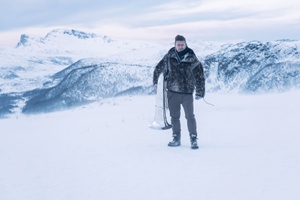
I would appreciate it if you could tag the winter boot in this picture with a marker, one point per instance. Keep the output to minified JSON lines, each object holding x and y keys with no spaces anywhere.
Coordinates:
{"x":194,"y":144}
{"x":175,"y":142}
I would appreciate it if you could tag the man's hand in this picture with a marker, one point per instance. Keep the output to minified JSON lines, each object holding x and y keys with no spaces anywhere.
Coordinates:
{"x":198,"y":97}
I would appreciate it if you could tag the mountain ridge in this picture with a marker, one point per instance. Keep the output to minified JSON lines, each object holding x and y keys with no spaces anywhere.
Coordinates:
{"x":87,"y":67}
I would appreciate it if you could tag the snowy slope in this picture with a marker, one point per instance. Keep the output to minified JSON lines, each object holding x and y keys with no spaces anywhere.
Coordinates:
{"x":254,"y":67}
{"x":87,"y":81}
{"x":249,"y":149}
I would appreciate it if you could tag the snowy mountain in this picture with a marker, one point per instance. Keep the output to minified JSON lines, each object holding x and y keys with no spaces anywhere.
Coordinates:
{"x":69,"y":67}
{"x":254,"y":67}
{"x":27,"y":40}
{"x":35,"y":58}
{"x":86,"y":81}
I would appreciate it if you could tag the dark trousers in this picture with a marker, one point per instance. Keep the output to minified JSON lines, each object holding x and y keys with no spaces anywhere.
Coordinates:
{"x":175,"y":100}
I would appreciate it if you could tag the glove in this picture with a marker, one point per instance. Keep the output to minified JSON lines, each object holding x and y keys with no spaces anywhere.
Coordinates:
{"x":198,"y":97}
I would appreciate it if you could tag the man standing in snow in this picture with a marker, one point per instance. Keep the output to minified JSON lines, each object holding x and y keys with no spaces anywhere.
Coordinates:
{"x":184,"y":74}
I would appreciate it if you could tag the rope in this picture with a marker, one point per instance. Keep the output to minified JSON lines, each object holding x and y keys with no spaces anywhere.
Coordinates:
{"x":208,"y":103}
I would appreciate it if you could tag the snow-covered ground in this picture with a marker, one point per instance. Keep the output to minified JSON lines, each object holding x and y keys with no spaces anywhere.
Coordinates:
{"x":249,"y":149}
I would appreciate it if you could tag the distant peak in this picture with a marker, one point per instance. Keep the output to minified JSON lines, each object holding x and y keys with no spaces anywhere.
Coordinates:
{"x":286,"y":40}
{"x":25,"y":40}
{"x":71,"y":32}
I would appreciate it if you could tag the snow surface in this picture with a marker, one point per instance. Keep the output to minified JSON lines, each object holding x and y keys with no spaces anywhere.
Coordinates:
{"x":249,"y":149}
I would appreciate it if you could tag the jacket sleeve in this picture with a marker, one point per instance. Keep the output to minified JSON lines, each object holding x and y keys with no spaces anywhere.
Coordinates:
{"x":159,"y":69}
{"x":198,"y":73}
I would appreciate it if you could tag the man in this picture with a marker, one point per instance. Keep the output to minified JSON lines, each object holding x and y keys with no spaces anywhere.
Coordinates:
{"x":184,"y":74}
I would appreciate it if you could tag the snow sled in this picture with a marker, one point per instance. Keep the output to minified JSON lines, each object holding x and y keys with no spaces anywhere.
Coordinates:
{"x":161,"y":105}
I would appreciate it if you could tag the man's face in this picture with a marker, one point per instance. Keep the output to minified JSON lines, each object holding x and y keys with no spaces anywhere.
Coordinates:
{"x":180,"y":45}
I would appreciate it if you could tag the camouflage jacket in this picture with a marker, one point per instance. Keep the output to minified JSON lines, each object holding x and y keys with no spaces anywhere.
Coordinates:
{"x":183,"y":75}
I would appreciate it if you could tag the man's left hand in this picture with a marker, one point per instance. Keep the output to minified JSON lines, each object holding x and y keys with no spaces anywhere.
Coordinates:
{"x":198,"y":97}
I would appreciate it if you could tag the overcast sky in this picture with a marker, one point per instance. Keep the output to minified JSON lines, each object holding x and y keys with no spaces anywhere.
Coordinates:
{"x":213,"y":20}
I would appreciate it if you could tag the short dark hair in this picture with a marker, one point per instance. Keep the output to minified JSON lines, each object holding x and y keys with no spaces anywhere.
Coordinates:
{"x":180,"y":38}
